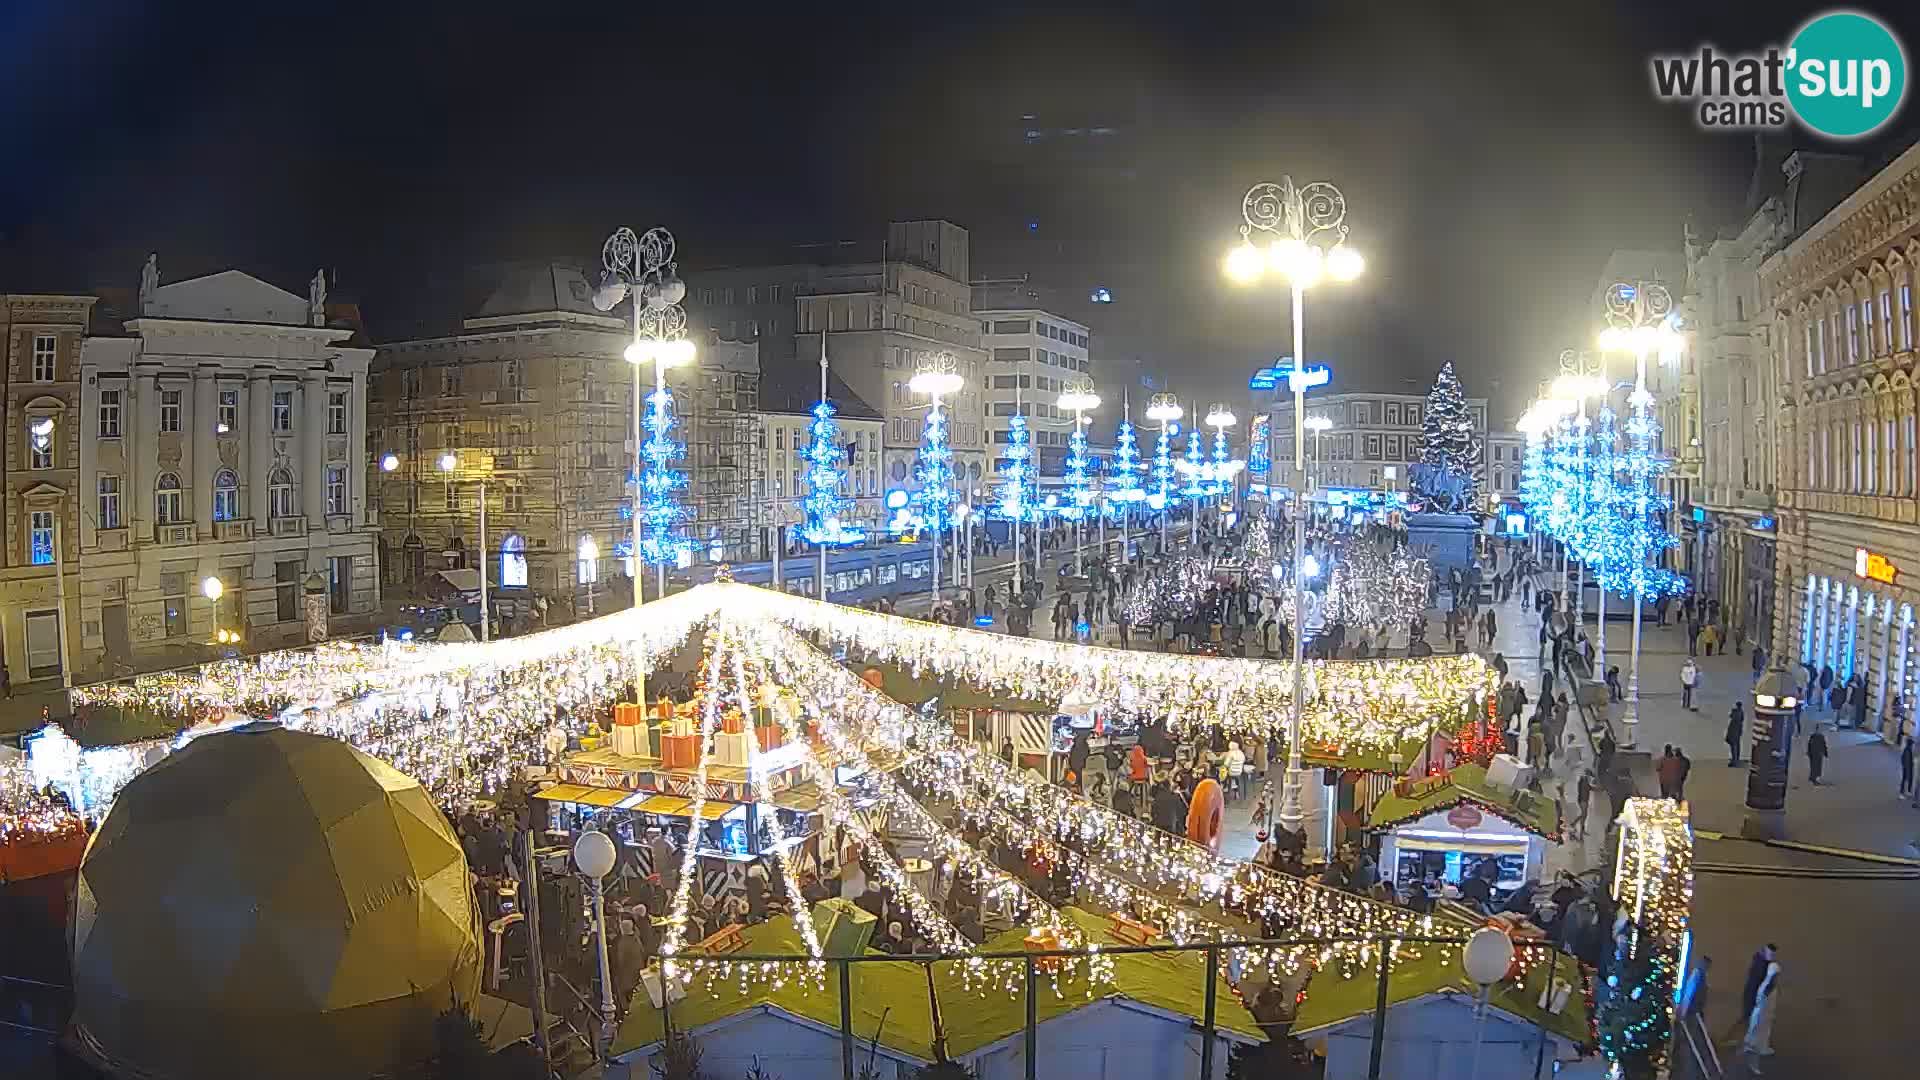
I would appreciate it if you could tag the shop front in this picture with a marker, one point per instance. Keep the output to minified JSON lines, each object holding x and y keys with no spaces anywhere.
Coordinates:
{"x":1440,"y":830}
{"x":1862,"y":624}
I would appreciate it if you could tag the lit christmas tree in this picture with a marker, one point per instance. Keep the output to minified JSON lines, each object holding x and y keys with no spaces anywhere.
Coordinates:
{"x":1125,"y":468}
{"x":1643,"y":509}
{"x":824,"y":509}
{"x":661,"y":513}
{"x":1163,"y":467}
{"x":1019,"y":495}
{"x":934,"y":470}
{"x":1222,"y":461}
{"x":1077,"y":465}
{"x":1194,"y":468}
{"x":1535,"y":485}
{"x":1602,"y":537}
{"x":1447,"y":437}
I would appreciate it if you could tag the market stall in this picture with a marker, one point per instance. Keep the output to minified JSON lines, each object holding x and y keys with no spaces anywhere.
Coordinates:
{"x":1441,"y":828}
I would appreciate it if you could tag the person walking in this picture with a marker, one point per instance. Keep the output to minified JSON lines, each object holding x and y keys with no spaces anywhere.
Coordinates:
{"x":1758,"y":1042}
{"x":1816,"y":755}
{"x":1680,"y":774}
{"x":1667,"y":769}
{"x":1759,"y":661}
{"x":1736,"y":718}
{"x":1689,"y":680}
{"x":1826,"y":682}
{"x":1906,"y":766}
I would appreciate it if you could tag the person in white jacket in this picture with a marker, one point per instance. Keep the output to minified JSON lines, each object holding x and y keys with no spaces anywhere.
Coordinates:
{"x":1236,"y":771}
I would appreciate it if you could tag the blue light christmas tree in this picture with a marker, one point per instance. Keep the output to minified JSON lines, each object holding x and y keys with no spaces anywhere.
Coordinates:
{"x":1019,"y":495}
{"x":661,"y":512}
{"x":1078,"y":463}
{"x":1194,"y":468}
{"x":823,"y":511}
{"x":1643,"y":509}
{"x":1535,"y":485}
{"x":1222,"y":458}
{"x":934,"y":471}
{"x":1163,"y":467}
{"x":1126,"y":468}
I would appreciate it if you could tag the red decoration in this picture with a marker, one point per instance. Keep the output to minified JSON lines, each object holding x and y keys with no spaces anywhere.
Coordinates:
{"x":1465,"y":817}
{"x":626,"y":714}
{"x":731,"y":723}
{"x":1206,"y":815}
{"x":769,"y":737}
{"x":680,"y":751}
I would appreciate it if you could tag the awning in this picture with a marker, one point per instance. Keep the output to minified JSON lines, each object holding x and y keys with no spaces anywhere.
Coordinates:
{"x":679,"y":806}
{"x":801,"y":798}
{"x":564,"y":792}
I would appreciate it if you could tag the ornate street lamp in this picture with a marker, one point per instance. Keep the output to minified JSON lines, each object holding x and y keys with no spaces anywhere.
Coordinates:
{"x":936,"y":375}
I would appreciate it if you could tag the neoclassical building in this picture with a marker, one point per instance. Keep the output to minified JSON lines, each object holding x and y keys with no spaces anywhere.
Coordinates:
{"x":1842,"y":342}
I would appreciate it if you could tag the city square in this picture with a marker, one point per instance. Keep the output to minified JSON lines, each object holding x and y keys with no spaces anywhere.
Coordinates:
{"x":1197,"y":557}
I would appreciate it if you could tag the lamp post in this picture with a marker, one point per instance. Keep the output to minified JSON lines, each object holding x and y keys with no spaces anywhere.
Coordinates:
{"x":937,"y":375}
{"x":1164,"y":409}
{"x":593,"y":855}
{"x":1308,"y":231}
{"x":1220,"y":418}
{"x":1079,"y":399}
{"x":1319,"y":425}
{"x":1776,"y":704}
{"x":1640,"y":317}
{"x":643,"y":267}
{"x":587,"y":567}
{"x":448,"y":463}
{"x":1487,"y":959}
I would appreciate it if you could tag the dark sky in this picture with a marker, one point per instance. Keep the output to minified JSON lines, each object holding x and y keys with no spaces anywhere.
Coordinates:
{"x":1492,"y":154}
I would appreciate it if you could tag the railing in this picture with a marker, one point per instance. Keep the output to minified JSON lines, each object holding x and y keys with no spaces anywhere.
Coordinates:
{"x":1353,"y":1037}
{"x":35,"y":1008}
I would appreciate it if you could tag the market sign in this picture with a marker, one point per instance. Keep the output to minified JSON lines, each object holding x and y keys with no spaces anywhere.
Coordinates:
{"x":1874,"y":566}
{"x":1464,"y":817}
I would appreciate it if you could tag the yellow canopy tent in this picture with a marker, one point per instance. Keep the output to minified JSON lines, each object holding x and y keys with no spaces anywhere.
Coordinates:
{"x":268,"y":902}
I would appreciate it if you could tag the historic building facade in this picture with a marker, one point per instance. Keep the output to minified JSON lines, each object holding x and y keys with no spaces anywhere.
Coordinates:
{"x":1840,"y":298}
{"x":1374,"y":439}
{"x":533,"y":400}
{"x":40,"y":343}
{"x":221,"y":436}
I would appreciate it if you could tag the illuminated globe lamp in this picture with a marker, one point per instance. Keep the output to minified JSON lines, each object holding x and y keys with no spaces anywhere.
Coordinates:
{"x":307,"y":902}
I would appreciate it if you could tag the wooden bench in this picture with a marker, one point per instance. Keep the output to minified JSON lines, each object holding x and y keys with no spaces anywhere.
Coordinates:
{"x":1133,"y":932}
{"x":725,"y":940}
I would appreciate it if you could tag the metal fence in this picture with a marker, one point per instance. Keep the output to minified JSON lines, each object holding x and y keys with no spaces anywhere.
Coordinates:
{"x":1034,"y":988}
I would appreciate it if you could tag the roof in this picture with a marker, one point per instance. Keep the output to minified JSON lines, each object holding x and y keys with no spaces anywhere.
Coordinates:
{"x":1468,"y":784}
{"x":794,"y":393}
{"x":1333,"y":999}
{"x":896,"y":994}
{"x":540,"y":288}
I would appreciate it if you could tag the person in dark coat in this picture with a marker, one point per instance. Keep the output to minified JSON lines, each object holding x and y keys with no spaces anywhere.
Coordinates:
{"x":1756,"y":975}
{"x":1816,"y":755}
{"x":1736,"y":718}
{"x":1906,"y":766}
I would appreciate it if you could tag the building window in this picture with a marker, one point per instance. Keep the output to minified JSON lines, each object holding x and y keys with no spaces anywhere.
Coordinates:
{"x":44,"y":346}
{"x":169,"y":410}
{"x":1906,"y":317}
{"x":108,"y":488}
{"x":283,"y":410}
{"x":450,"y":382}
{"x":286,"y":591}
{"x":229,"y":407}
{"x":226,"y":495}
{"x":336,"y":490}
{"x":109,"y":414}
{"x":1888,"y":342}
{"x":337,"y":412}
{"x":166,"y":499}
{"x":513,"y":562}
{"x":40,"y":537}
{"x":40,"y":442}
{"x":280,"y":494}
{"x":453,"y":498}
{"x":512,"y":373}
{"x":1853,"y":335}
{"x":173,"y":598}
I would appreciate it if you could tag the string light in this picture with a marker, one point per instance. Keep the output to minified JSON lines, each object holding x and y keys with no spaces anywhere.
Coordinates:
{"x":661,"y":512}
{"x":824,"y":510}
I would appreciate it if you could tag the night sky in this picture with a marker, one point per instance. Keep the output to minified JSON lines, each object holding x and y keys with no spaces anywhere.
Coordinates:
{"x":1492,"y":155}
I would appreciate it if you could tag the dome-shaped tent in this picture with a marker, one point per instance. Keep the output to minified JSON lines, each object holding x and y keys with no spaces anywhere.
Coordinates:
{"x":267,"y":902}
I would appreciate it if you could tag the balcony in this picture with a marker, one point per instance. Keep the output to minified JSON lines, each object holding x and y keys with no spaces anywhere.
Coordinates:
{"x":173,"y":534}
{"x":289,"y":526}
{"x":241,"y":529}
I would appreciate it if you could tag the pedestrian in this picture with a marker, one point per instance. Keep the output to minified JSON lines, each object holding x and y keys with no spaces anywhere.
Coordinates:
{"x":1826,"y":681}
{"x":1613,"y":683}
{"x":1680,"y":774}
{"x":1759,"y":1038}
{"x":1816,"y":754}
{"x":1489,"y":627}
{"x":1667,"y":769}
{"x":1906,"y":766}
{"x":1689,"y":680}
{"x":1709,"y":638}
{"x":1763,"y":958}
{"x":1759,"y":661}
{"x":1693,"y":638}
{"x":1736,"y":718}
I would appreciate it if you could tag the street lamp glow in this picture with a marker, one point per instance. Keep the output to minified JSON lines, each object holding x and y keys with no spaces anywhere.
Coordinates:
{"x":1079,"y":400}
{"x":934,"y":384}
{"x":589,"y":549}
{"x":1220,"y":417}
{"x":448,"y":462}
{"x":1245,"y":264}
{"x":1310,"y":567}
{"x":1317,"y":424}
{"x":1573,"y":388}
{"x":1165,"y":411}
{"x":389,"y":462}
{"x":1345,"y":264}
{"x":213,"y":588}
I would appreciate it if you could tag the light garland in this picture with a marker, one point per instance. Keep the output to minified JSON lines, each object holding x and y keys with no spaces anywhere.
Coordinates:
{"x":1018,"y":493}
{"x":1077,"y":465}
{"x":1373,"y":588}
{"x":935,"y":473}
{"x":1163,"y":469}
{"x":1125,"y":468}
{"x":674,"y":941}
{"x":1653,"y":892}
{"x":1380,"y":703}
